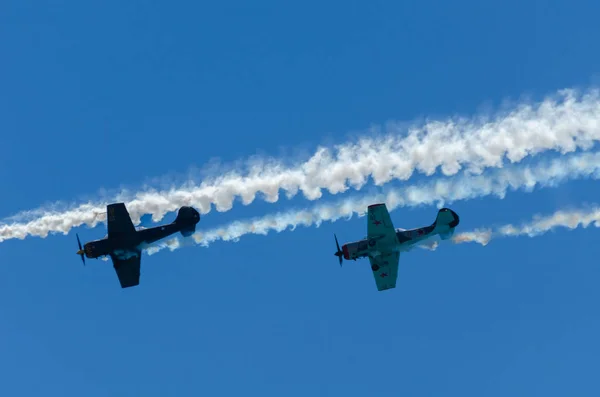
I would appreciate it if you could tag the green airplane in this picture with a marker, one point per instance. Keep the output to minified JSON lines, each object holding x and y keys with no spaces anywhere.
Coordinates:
{"x":384,"y":243}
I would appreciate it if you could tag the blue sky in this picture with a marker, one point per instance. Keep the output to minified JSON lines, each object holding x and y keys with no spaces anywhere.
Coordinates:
{"x":113,"y":95}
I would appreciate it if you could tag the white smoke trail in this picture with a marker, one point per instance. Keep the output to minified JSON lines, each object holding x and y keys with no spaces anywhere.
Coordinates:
{"x":563,"y":122}
{"x":545,"y":173}
{"x":539,"y":225}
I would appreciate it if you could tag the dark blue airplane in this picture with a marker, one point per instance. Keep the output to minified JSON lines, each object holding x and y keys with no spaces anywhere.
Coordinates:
{"x":124,"y":243}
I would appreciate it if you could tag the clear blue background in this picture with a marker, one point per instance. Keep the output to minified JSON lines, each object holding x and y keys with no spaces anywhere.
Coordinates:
{"x":110,"y":95}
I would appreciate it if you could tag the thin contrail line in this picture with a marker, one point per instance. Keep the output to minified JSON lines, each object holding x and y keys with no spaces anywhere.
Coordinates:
{"x":564,"y":122}
{"x":545,"y":173}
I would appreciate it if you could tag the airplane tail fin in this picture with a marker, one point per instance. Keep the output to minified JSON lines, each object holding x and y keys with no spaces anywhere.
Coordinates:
{"x":187,"y":218}
{"x":445,"y":223}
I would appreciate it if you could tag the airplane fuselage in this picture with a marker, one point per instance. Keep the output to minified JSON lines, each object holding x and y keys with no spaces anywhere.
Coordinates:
{"x":124,"y":244}
{"x":443,"y":226}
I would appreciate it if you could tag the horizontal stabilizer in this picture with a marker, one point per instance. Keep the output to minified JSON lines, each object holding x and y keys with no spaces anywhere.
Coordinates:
{"x":188,"y":231}
{"x":447,"y":235}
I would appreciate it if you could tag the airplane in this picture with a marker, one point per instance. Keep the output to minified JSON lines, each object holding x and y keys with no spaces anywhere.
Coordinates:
{"x":124,"y":243}
{"x":384,"y":243}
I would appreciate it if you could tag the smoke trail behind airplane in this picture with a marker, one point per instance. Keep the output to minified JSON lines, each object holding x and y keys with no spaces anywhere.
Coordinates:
{"x":545,"y":173}
{"x":564,"y":122}
{"x":570,"y":219}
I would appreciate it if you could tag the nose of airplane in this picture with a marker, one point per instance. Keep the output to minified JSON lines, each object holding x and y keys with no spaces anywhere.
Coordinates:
{"x":345,"y":251}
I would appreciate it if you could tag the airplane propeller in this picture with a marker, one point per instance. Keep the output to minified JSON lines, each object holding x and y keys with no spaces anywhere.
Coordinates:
{"x":80,"y":252}
{"x":339,"y":252}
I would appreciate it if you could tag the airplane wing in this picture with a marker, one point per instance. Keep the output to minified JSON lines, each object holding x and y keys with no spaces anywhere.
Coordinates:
{"x":385,"y":269}
{"x":118,"y":220}
{"x":380,"y":224}
{"x":128,"y":270}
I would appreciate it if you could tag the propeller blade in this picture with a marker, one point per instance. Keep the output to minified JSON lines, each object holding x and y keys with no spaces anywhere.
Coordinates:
{"x":339,"y":252}
{"x":80,"y":249}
